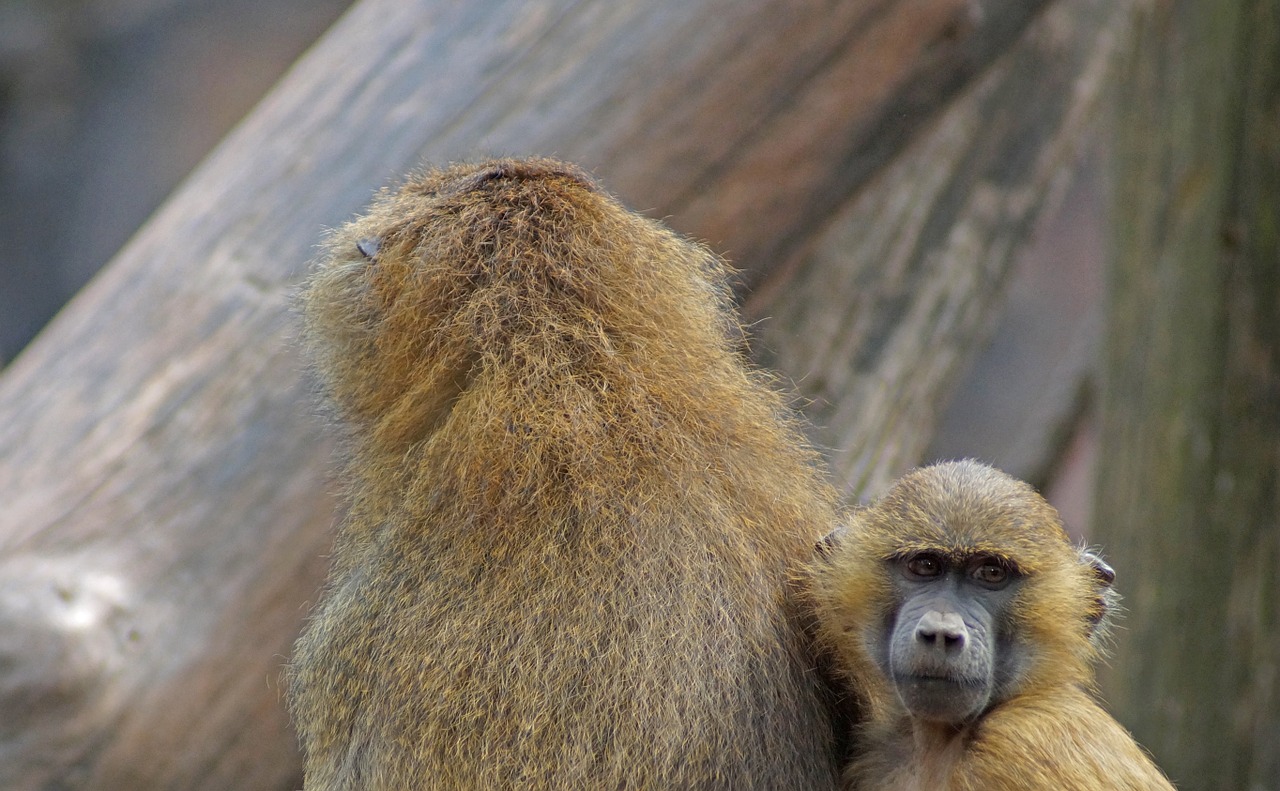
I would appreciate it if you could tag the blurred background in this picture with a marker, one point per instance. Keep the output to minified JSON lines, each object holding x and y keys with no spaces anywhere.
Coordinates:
{"x":105,"y":105}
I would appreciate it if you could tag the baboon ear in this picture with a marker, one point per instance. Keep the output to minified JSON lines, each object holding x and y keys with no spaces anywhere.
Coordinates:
{"x":1102,"y":571}
{"x":1106,"y":600}
{"x":369,"y":246}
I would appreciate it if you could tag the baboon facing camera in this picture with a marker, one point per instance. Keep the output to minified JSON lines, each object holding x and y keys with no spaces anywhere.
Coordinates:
{"x":964,"y":623}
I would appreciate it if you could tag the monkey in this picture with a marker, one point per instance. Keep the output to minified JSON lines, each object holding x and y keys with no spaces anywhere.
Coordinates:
{"x":574,"y":514}
{"x":966,"y":625}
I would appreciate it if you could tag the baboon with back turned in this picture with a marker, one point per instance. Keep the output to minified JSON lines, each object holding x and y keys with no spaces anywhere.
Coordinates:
{"x":965,"y":623}
{"x":572,"y":510}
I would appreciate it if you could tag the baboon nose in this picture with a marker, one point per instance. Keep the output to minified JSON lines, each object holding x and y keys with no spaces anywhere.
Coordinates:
{"x":942,"y":630}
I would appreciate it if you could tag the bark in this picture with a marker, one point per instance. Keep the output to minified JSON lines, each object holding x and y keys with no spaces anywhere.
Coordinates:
{"x":878,"y":317}
{"x":1188,"y":491}
{"x":164,"y":479}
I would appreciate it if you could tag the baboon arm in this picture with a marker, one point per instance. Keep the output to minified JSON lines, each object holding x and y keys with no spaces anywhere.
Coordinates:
{"x":1064,"y":741}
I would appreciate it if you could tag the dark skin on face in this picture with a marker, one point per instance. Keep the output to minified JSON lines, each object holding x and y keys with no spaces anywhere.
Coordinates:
{"x":963,"y":624}
{"x":942,"y":647}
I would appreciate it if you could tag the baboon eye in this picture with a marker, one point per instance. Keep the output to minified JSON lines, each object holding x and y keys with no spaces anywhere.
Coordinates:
{"x":991,"y":573}
{"x":368,"y":247}
{"x":925,"y":566}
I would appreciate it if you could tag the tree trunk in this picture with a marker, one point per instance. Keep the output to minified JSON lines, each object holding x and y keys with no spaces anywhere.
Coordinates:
{"x":1188,"y":483}
{"x":163,"y":477}
{"x":882,"y":312}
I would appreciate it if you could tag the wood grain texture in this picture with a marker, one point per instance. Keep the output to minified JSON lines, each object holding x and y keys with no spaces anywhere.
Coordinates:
{"x":163,"y":477}
{"x":1189,"y":466}
{"x":881,"y":312}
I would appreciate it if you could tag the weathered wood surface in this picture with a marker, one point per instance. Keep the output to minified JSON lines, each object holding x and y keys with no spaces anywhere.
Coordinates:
{"x":880,"y":313}
{"x":163,"y":478}
{"x":1189,"y":475}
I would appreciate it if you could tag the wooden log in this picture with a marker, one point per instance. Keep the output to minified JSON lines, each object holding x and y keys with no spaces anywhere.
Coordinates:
{"x":1190,"y":459}
{"x":163,"y":479}
{"x":878,"y":316}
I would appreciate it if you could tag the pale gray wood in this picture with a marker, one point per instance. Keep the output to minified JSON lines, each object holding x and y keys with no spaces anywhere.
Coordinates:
{"x":1022,"y":400}
{"x":879,"y":316}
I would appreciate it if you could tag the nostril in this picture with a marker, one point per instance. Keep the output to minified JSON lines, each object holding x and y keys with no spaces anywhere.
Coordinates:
{"x":936,"y":636}
{"x":945,"y":630}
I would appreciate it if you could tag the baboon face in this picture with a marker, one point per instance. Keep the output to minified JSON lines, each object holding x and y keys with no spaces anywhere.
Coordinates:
{"x":964,"y":624}
{"x":948,"y":644}
{"x":955,"y":591}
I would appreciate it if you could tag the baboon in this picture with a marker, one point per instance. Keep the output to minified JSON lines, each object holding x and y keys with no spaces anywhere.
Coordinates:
{"x":963,"y":621}
{"x":574,"y":515}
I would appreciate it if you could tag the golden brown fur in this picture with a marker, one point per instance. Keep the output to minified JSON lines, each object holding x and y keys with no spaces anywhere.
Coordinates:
{"x":1043,"y":729}
{"x":572,"y":509}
